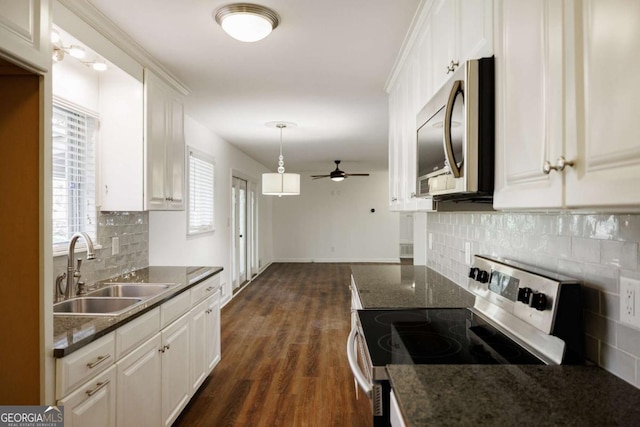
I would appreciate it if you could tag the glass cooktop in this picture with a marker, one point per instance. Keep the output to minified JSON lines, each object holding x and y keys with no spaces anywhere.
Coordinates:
{"x":437,"y":336}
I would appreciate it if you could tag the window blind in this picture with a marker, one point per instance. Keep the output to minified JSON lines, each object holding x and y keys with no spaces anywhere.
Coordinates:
{"x":74,"y":185}
{"x":201,"y":193}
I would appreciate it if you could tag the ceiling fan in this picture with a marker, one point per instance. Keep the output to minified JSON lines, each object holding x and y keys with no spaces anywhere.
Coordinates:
{"x":338,"y":175}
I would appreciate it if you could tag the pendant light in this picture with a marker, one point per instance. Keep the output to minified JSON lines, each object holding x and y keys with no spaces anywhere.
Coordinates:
{"x":281,"y":183}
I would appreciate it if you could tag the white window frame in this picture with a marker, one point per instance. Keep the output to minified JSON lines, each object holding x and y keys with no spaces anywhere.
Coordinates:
{"x":61,"y":247}
{"x":201,"y":157}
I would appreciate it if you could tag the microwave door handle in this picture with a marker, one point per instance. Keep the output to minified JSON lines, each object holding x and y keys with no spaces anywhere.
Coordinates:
{"x":365,"y":385}
{"x":448,"y":145}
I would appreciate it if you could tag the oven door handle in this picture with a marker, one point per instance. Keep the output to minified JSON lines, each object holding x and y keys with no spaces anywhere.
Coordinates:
{"x":364,"y":384}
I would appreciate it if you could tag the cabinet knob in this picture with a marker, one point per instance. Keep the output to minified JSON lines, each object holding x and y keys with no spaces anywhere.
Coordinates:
{"x":561,"y":163}
{"x":394,"y":199}
{"x":452,"y":66}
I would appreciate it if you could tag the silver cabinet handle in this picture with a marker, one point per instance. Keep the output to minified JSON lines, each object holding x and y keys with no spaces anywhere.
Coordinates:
{"x":561,"y":163}
{"x":364,"y":384}
{"x":164,"y":348}
{"x":209,"y":289}
{"x":99,"y":386}
{"x":98,"y":361}
{"x":394,"y":199}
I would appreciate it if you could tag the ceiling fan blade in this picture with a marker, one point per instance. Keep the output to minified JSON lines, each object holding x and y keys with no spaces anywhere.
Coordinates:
{"x":320,"y":176}
{"x":357,"y":174}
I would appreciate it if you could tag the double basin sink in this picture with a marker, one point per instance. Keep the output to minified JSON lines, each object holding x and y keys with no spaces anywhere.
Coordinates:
{"x":110,"y":300}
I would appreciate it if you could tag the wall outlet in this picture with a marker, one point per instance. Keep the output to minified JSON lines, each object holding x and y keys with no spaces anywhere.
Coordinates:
{"x":629,"y":300}
{"x":467,"y":253}
{"x":115,"y":245}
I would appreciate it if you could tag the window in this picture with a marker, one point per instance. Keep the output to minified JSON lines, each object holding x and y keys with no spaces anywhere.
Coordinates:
{"x":74,"y":184}
{"x":201,"y":187}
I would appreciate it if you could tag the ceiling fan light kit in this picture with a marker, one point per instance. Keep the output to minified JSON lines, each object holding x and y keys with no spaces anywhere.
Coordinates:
{"x":280,"y":183}
{"x":247,"y":22}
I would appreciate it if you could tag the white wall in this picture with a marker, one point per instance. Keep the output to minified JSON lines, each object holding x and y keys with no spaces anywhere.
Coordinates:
{"x":168,"y":241}
{"x":331,"y":222}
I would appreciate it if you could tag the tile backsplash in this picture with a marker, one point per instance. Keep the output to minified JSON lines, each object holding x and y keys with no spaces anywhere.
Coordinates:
{"x":132,"y":229}
{"x":596,"y":249}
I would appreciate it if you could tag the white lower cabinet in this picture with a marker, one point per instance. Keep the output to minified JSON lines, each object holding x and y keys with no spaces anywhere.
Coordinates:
{"x":176,"y":384}
{"x":205,"y":339}
{"x":93,"y":403}
{"x":139,"y":386}
{"x":142,"y":375}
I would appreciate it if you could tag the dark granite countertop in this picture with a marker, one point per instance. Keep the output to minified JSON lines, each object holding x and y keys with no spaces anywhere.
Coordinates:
{"x":71,"y":333}
{"x":509,"y":395}
{"x":407,"y":286}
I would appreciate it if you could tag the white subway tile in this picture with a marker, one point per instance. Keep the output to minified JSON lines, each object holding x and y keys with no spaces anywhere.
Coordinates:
{"x":599,"y":327}
{"x":602,"y":277}
{"x":610,"y":306}
{"x":587,"y":250}
{"x":619,"y":363}
{"x":619,"y":254}
{"x":628,"y":339}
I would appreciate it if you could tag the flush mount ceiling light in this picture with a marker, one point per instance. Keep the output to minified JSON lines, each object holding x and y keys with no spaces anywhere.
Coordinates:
{"x":281,"y":184}
{"x":247,"y":22}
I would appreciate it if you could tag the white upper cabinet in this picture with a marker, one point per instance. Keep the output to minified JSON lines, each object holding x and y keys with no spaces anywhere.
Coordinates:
{"x":529,"y":129}
{"x":559,"y":104}
{"x":445,"y":33}
{"x":462,"y":30}
{"x":603,"y":138}
{"x":164,"y":137}
{"x":24,"y":32}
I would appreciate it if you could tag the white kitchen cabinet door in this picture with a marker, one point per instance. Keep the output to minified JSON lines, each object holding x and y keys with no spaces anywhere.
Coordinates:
{"x":164,"y":145}
{"x":93,"y":404}
{"x":604,"y":136}
{"x":139,"y":397}
{"x":199,"y":319}
{"x":529,"y":103}
{"x":444,"y":55}
{"x":155,"y":141}
{"x":175,"y":157}
{"x":25,"y":27}
{"x":176,"y":379}
{"x":213,"y":353}
{"x":475,"y":29}
{"x":394,"y":147}
{"x":121,"y":142}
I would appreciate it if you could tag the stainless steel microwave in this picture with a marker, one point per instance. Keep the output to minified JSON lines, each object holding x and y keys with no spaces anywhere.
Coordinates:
{"x":455,"y":132}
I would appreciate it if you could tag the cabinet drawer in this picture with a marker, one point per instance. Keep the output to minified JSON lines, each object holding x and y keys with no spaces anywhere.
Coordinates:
{"x":204,"y":289}
{"x":136,"y":332}
{"x":93,"y":403}
{"x":76,"y":368}
{"x":174,"y":308}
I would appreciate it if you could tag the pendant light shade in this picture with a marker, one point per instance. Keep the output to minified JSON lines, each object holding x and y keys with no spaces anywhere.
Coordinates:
{"x":247,"y":22}
{"x":281,"y":183}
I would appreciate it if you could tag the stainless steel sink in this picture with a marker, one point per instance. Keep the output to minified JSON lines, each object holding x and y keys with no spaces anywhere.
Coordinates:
{"x":129,"y":290}
{"x":98,"y":306}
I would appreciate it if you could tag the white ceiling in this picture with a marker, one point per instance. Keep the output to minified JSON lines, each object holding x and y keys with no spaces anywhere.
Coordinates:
{"x":323,"y":68}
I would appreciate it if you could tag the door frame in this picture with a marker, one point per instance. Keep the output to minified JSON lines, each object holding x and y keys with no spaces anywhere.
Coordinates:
{"x":252,"y":229}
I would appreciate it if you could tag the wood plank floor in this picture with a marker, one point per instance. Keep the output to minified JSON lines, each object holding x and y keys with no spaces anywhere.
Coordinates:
{"x":284,"y":354}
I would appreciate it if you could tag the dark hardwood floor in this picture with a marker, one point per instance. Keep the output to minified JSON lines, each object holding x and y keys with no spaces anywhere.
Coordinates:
{"x":284,"y":354}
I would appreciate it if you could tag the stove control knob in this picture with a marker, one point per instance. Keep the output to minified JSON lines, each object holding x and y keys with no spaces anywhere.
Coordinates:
{"x":524,"y":294}
{"x":473,"y":273}
{"x":482,"y":276}
{"x":538,"y":301}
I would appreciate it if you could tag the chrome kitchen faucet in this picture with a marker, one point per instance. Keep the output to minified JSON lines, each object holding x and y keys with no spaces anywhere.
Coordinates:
{"x":72,"y":272}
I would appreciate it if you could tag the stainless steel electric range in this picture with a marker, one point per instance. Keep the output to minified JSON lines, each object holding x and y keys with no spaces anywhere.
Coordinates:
{"x":522,"y":315}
